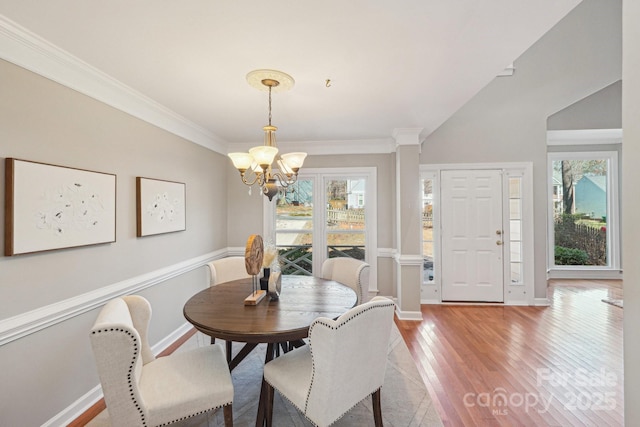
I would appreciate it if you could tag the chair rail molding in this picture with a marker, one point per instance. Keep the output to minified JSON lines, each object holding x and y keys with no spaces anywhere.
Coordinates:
{"x":27,"y":323}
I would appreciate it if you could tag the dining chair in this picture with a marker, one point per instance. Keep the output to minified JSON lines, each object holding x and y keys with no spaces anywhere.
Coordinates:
{"x":351,"y":272}
{"x":344,"y":363}
{"x":142,"y":390}
{"x":225,"y":270}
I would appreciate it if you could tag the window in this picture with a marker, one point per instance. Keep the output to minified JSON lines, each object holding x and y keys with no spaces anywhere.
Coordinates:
{"x":427,"y":230}
{"x":515,"y":230}
{"x":328,"y":213}
{"x":583,"y":211}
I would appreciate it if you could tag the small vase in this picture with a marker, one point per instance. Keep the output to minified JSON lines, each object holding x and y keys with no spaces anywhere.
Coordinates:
{"x":275,"y":285}
{"x":264,"y":280}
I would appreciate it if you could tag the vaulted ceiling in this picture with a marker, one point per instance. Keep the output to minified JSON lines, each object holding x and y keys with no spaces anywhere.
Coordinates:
{"x":390,"y":64}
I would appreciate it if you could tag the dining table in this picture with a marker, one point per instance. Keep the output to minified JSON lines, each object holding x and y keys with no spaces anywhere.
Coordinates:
{"x":281,"y":322}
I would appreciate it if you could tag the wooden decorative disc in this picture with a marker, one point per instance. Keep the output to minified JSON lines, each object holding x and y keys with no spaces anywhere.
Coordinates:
{"x":253,"y":254}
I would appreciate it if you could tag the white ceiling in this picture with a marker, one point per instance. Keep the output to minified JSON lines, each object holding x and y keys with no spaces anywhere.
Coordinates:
{"x":392,"y":64}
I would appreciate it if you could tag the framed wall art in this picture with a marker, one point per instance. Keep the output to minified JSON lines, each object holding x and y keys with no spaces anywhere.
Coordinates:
{"x":51,"y":207}
{"x":160,"y":206}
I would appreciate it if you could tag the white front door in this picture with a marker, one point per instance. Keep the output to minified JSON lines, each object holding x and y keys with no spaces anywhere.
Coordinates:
{"x":472,"y":236}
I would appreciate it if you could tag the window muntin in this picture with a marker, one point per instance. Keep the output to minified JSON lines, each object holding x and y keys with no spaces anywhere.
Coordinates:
{"x":515,"y":230}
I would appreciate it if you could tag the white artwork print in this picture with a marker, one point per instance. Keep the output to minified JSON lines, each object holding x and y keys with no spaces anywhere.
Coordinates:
{"x":57,"y":207}
{"x":161,"y":206}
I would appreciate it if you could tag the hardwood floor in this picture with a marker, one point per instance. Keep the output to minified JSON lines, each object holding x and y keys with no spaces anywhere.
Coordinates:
{"x":525,"y":366}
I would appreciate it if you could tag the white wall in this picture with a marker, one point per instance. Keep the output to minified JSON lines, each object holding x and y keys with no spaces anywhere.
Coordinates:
{"x":46,"y":371}
{"x":507,"y":120}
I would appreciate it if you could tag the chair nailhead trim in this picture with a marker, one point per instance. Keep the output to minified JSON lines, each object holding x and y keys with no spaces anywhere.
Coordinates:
{"x":130,"y":382}
{"x":193,"y":415}
{"x":323,"y":323}
{"x":136,"y":354}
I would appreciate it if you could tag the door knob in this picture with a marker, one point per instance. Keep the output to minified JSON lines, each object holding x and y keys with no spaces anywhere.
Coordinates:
{"x":499,"y":242}
{"x":499,"y":232}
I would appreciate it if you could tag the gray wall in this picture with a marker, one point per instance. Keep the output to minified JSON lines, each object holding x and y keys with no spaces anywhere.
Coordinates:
{"x":601,"y":110}
{"x":507,"y":120}
{"x":40,"y":120}
{"x":630,"y":209}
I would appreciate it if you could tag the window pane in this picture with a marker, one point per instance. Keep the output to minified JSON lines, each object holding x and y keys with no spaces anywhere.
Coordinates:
{"x":516,"y":272}
{"x":514,"y":208}
{"x":514,"y":229}
{"x":294,"y":228}
{"x":515,"y":252}
{"x":514,"y":188}
{"x":345,"y":204}
{"x":580,"y":212}
{"x":345,"y":211}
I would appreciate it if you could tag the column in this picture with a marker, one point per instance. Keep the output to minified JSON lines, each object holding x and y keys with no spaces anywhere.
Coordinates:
{"x":408,"y":223}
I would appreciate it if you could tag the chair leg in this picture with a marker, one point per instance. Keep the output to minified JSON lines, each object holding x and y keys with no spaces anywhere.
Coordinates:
{"x":229,"y":352}
{"x":268,"y":402}
{"x":377,"y":409}
{"x":228,"y":415}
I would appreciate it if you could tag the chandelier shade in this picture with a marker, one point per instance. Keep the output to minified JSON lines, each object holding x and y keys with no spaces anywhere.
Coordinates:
{"x":255,"y":167}
{"x":241,"y":161}
{"x":263,"y":155}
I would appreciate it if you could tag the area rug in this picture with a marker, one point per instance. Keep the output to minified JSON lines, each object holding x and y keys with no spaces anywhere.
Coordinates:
{"x":613,"y":301}
{"x":405,"y":400}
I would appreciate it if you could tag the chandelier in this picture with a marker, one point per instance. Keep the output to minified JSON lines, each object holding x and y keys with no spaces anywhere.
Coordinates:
{"x":255,"y":167}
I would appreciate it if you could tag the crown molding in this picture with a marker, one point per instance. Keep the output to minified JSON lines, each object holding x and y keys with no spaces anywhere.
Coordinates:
{"x":319,"y":148}
{"x":25,"y":49}
{"x":584,"y":137}
{"x":30,"y":51}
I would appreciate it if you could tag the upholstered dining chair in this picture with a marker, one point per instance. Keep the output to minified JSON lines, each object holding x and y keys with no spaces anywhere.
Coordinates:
{"x":142,"y":390}
{"x":351,"y":272}
{"x":225,"y":270}
{"x":344,"y":363}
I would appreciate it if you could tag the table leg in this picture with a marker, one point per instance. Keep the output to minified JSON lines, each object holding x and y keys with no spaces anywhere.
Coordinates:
{"x":260,"y":417}
{"x":244,"y":351}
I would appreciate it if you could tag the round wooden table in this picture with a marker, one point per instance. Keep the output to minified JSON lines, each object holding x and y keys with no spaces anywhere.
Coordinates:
{"x":220,"y":312}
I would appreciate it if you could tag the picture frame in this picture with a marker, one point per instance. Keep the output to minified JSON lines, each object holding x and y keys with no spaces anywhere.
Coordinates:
{"x":50,"y":207}
{"x":160,"y":206}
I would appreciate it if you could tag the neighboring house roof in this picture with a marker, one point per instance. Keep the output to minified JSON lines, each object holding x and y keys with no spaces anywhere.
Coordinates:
{"x":599,"y":181}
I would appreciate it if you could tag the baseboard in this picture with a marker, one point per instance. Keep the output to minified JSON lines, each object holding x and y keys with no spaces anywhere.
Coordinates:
{"x":408,"y":315}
